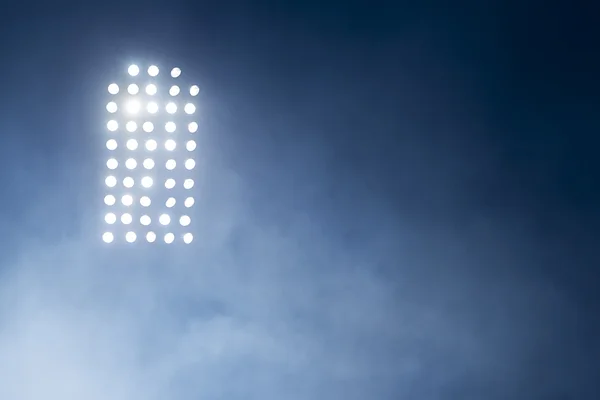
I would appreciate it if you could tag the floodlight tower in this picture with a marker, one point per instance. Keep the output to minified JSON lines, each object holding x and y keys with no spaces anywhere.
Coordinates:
{"x":150,"y":144}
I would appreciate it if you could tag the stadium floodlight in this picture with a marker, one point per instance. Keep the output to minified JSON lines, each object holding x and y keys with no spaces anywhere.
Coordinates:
{"x":150,"y":164}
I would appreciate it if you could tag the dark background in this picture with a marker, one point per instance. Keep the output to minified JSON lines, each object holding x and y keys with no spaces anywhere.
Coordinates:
{"x":446,"y":151}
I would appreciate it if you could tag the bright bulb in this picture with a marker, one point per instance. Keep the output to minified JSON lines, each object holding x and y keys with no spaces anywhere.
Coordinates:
{"x":130,"y":163}
{"x":109,"y":200}
{"x":128,"y":182}
{"x":150,"y":237}
{"x":170,"y":165}
{"x":152,"y":107}
{"x":170,"y":183}
{"x":111,"y":144}
{"x":188,"y":184}
{"x":145,"y":201}
{"x":108,"y":237}
{"x":147,"y":182}
{"x":174,"y":90}
{"x":170,"y":127}
{"x":188,"y":238}
{"x":133,"y":89}
{"x":110,"y":218}
{"x":190,"y":145}
{"x":189,"y":108}
{"x":192,"y":127}
{"x":127,"y":200}
{"x":130,"y":237}
{"x":110,"y":181}
{"x":112,"y":163}
{"x":189,"y":202}
{"x":132,"y":144}
{"x":133,"y":70}
{"x":112,"y":107}
{"x":194,"y":90}
{"x":148,"y":126}
{"x":151,"y":145}
{"x":145,"y":220}
{"x":151,"y":89}
{"x":185,"y":220}
{"x":164,"y":219}
{"x":113,"y":88}
{"x":170,"y":145}
{"x":190,"y":164}
{"x":148,"y":163}
{"x":170,"y":203}
{"x":126,"y":219}
{"x":171,"y":108}
{"x":131,"y":126}
{"x":153,"y":70}
{"x":175,"y":72}
{"x":169,"y":238}
{"x":112,"y":125}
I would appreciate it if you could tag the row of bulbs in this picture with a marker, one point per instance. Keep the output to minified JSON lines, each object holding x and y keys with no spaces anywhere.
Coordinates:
{"x":132,"y":126}
{"x":127,"y":219}
{"x":151,"y":89}
{"x":150,"y":145}
{"x":146,"y":182}
{"x":131,"y":237}
{"x":134,"y":107}
{"x":127,"y":200}
{"x":153,"y":70}
{"x":149,"y":163}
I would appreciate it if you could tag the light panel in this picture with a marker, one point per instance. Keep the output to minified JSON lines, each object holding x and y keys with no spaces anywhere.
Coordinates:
{"x":150,"y":156}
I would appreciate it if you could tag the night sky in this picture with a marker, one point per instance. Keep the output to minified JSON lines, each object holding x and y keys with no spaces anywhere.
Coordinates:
{"x":397,"y":201}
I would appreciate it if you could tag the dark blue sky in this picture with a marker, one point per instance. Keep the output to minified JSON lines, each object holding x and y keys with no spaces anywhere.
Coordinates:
{"x":399,"y":202}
